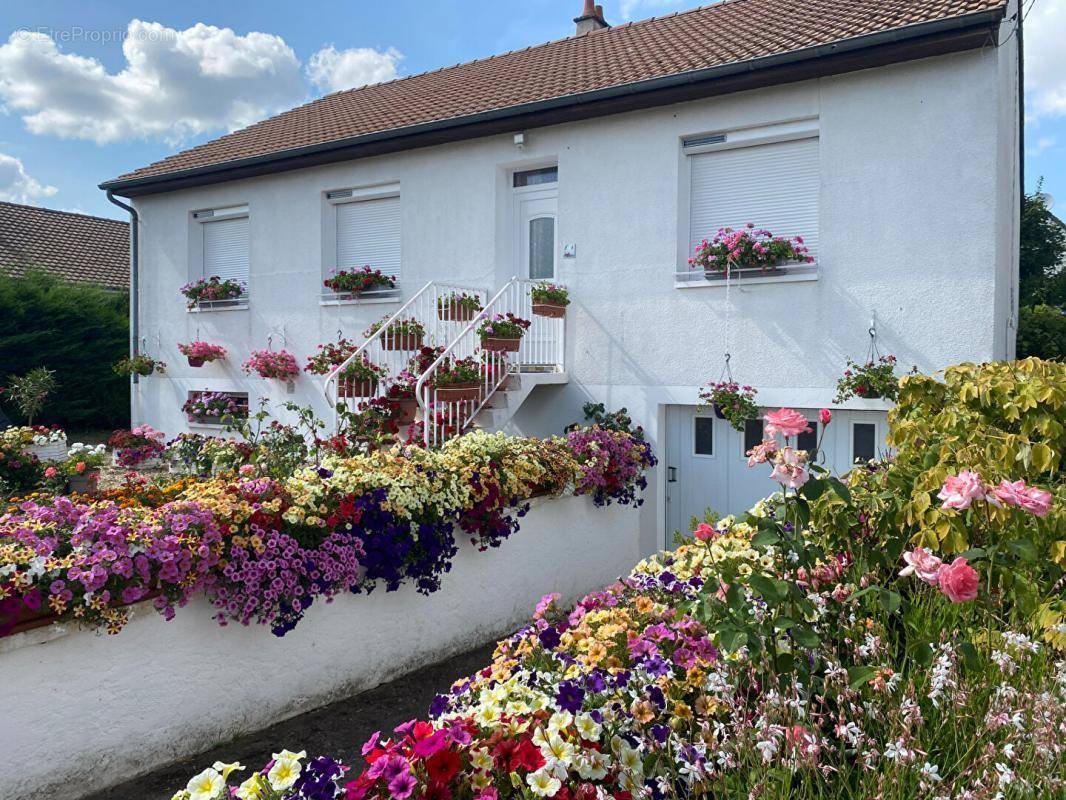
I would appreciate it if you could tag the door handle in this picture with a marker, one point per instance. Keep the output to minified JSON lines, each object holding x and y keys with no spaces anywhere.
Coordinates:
{"x":671,"y":474}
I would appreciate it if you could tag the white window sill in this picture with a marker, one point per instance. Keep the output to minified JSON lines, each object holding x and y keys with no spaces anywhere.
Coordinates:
{"x":219,"y":305}
{"x":365,"y":299}
{"x":696,"y":280}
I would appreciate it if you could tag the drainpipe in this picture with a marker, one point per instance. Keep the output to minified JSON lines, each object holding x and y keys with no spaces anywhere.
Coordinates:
{"x":135,"y":330}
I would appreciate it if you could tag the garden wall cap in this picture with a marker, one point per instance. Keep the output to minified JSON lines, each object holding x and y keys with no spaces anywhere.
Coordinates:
{"x":74,"y":247}
{"x":565,"y":73}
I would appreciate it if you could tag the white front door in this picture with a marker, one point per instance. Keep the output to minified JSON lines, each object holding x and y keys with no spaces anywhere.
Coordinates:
{"x":536,"y":241}
{"x":706,"y":465}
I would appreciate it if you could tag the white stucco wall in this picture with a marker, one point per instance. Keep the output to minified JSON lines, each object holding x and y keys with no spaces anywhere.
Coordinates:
{"x":917,"y":227}
{"x":82,"y":711}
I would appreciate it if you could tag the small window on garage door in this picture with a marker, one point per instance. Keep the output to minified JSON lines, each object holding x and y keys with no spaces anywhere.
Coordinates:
{"x":703,"y":436}
{"x":808,"y":441}
{"x":753,"y":435}
{"x":863,"y":442}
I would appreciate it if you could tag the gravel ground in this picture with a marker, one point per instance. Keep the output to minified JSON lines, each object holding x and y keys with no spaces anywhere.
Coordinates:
{"x":337,"y":730}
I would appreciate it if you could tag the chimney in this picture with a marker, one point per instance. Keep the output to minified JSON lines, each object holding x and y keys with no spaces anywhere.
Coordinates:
{"x":591,"y":18}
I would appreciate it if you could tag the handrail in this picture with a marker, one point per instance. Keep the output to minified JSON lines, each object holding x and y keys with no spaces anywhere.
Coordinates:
{"x":394,"y":352}
{"x":542,"y":347}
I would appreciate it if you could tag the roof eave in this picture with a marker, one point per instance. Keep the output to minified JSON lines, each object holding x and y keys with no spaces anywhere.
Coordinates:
{"x":936,"y":37}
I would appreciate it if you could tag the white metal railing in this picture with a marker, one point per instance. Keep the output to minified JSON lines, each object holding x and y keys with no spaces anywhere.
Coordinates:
{"x":393,"y":352}
{"x":541,"y":349}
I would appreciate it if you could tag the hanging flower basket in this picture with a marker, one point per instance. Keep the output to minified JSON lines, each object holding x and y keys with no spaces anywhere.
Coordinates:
{"x":731,"y":402}
{"x":550,"y":300}
{"x":458,"y":379}
{"x":280,"y":364}
{"x":140,"y":364}
{"x":874,"y":380}
{"x":198,"y":353}
{"x":503,"y":334}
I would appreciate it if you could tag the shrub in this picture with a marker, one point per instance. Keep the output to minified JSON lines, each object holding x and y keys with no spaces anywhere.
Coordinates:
{"x":31,"y":391}
{"x":78,"y":331}
{"x":1042,"y":332}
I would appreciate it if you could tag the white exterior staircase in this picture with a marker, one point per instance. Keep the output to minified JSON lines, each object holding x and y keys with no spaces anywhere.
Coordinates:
{"x":507,"y":378}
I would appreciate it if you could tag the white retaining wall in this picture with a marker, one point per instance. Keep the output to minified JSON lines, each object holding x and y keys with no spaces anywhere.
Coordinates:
{"x":83,"y":711}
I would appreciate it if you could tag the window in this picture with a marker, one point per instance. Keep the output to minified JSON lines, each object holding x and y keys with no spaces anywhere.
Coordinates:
{"x":774,"y":185}
{"x":703,"y":436}
{"x":808,"y":441}
{"x":534,"y":177}
{"x":224,"y":236}
{"x":368,"y":233}
{"x":542,"y":248}
{"x":863,"y":442}
{"x":753,"y":435}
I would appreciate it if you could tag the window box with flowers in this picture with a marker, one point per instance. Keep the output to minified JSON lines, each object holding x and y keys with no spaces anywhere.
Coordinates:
{"x":215,"y":408}
{"x":549,"y":300}
{"x":458,"y":380}
{"x":458,"y":307}
{"x":141,"y":365}
{"x":215,"y":293}
{"x":355,"y":285}
{"x":750,"y":255}
{"x":503,"y":333}
{"x":198,"y":353}
{"x":401,"y":334}
{"x":278,"y":364}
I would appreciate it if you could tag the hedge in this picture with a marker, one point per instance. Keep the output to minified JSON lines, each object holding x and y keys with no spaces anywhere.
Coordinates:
{"x":78,"y":331}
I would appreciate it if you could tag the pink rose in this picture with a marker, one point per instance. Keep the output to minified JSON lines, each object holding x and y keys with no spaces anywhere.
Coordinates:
{"x":50,"y":472}
{"x":790,"y":468}
{"x":1030,"y":498}
{"x":761,"y":453}
{"x":959,"y":491}
{"x":787,"y":422}
{"x":704,"y":532}
{"x":922,"y":563}
{"x":958,"y":580}
{"x":825,"y":416}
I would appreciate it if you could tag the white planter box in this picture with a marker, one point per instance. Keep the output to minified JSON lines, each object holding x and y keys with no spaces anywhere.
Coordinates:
{"x":53,"y":451}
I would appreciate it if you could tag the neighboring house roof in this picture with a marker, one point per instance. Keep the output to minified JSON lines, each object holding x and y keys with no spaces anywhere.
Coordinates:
{"x":72,"y":246}
{"x":720,"y":42}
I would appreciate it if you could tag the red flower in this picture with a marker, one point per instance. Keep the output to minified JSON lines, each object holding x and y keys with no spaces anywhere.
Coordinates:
{"x":443,"y":766}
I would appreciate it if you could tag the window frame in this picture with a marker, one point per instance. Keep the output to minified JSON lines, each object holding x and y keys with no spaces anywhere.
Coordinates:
{"x":851,"y":440}
{"x":714,"y":436}
{"x":733,"y":139}
{"x":198,"y":220}
{"x":334,"y":199}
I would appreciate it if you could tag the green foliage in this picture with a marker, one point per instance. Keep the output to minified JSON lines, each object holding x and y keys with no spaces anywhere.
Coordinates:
{"x":78,"y":332}
{"x":1042,"y":332}
{"x":30,"y":392}
{"x":597,"y":414}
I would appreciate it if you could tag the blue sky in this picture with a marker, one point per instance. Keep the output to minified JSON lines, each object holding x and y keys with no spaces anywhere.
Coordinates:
{"x":91,"y":90}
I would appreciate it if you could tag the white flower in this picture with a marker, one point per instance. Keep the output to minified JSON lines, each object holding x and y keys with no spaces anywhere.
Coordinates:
{"x":587,"y":727}
{"x":206,"y":786}
{"x":543,"y":783}
{"x":284,"y":773}
{"x":768,"y":747}
{"x":560,"y":720}
{"x":480,"y":759}
{"x":931,"y":772}
{"x":226,"y":769}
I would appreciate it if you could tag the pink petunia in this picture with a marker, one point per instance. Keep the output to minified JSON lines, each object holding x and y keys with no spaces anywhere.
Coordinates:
{"x":786,"y":421}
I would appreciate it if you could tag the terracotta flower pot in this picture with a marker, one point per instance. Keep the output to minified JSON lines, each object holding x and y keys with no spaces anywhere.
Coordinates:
{"x":347,"y":387}
{"x":195,"y":362}
{"x":408,"y":409}
{"x":454,"y":392}
{"x":85,"y":483}
{"x":456,"y":312}
{"x":402,"y":341}
{"x":549,"y":310}
{"x":499,"y":344}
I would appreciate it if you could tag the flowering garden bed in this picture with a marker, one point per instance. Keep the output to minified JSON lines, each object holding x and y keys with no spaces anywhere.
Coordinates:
{"x":815,"y":648}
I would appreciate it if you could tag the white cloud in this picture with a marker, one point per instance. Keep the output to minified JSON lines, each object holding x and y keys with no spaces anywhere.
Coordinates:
{"x":332,"y":70}
{"x":1045,"y":59}
{"x":175,"y":84}
{"x":17,"y":185}
{"x":1043,"y":143}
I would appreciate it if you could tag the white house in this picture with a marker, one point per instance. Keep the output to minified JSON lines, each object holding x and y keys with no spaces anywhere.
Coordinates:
{"x":885,"y":133}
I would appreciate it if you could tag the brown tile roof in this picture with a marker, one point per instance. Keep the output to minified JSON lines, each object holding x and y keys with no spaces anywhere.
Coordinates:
{"x":727,"y":32}
{"x":76,"y":247}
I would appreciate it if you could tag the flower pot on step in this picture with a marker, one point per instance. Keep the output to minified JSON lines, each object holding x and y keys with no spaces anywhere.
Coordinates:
{"x":455,"y":392}
{"x":401,"y":341}
{"x":500,"y":344}
{"x":549,"y":310}
{"x":407,"y":410}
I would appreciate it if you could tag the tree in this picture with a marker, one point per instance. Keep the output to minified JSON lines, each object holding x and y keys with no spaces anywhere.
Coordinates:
{"x":1042,"y":281}
{"x":30,"y":391}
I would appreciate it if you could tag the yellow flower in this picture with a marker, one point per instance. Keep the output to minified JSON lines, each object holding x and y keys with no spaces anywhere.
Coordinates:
{"x":205,"y":786}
